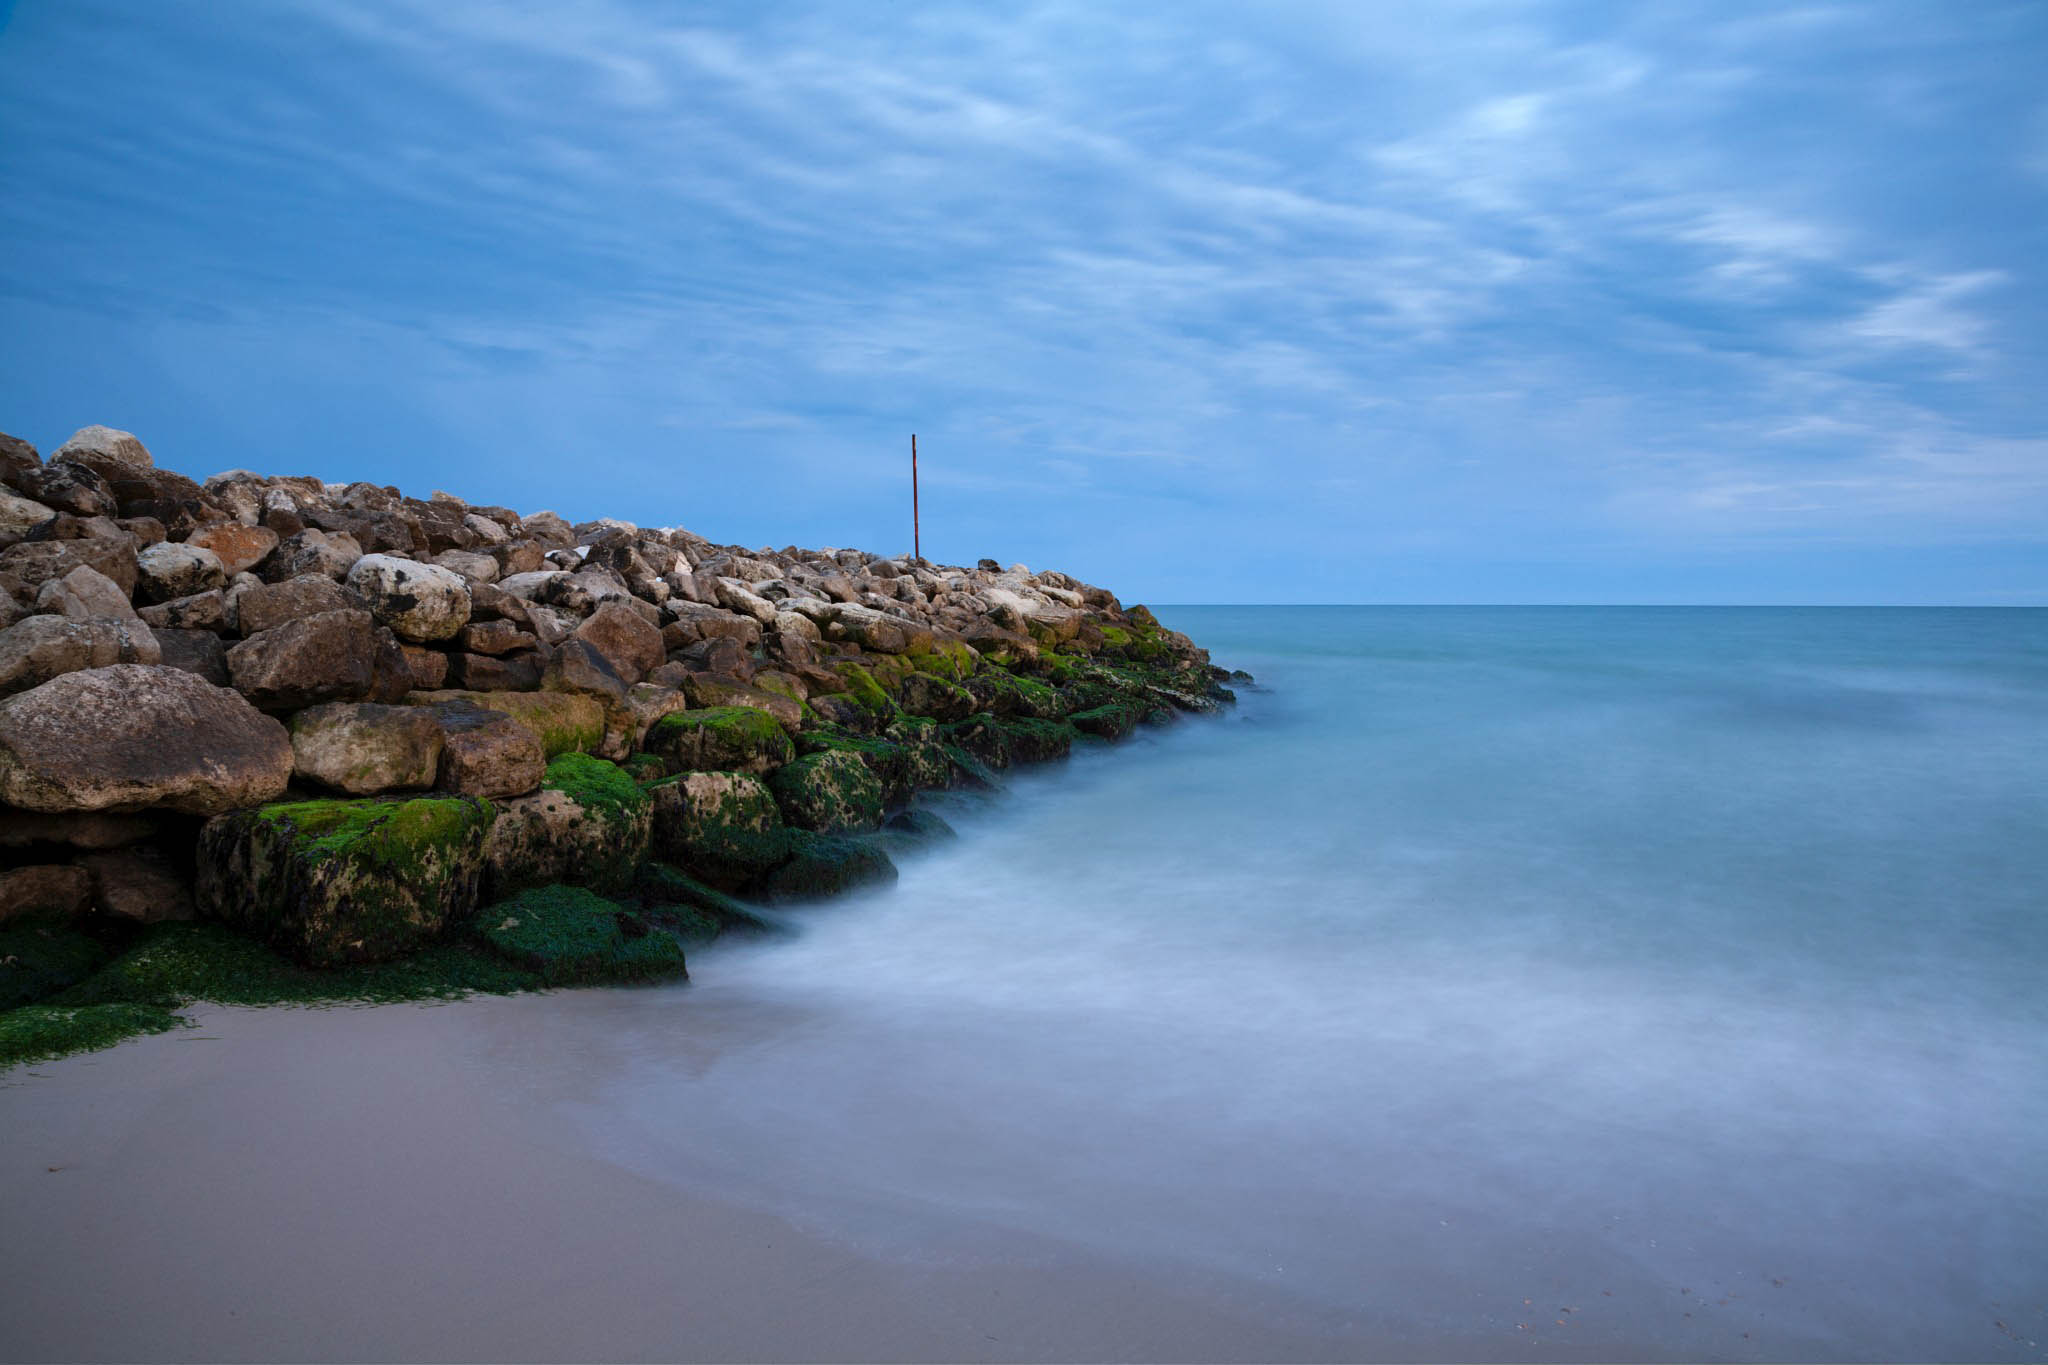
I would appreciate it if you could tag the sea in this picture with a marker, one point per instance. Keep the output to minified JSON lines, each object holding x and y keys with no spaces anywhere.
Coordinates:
{"x":1665,"y":981}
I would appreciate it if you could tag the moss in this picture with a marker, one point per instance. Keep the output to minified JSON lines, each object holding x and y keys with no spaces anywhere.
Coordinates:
{"x":563,"y":722}
{"x":1031,"y":740}
{"x":1112,"y":721}
{"x":37,"y":961}
{"x":722,"y":738}
{"x":1058,"y":667}
{"x":1116,"y":637}
{"x":37,"y":1033}
{"x":604,"y":789}
{"x":645,"y":768}
{"x":891,"y":761}
{"x":345,"y":881}
{"x":953,"y":660}
{"x":866,"y":692}
{"x":570,"y":936}
{"x":171,"y":964}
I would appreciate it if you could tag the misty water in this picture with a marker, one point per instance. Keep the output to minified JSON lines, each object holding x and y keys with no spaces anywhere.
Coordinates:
{"x":1678,"y":968}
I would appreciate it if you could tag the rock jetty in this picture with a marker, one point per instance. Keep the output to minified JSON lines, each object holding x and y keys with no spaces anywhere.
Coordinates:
{"x":271,"y":738}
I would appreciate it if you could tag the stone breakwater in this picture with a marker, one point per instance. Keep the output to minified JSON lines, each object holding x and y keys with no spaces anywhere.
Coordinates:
{"x":274,"y":738}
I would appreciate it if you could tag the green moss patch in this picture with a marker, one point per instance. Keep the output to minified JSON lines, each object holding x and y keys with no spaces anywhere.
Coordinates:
{"x":1112,"y":721}
{"x":571,"y":936}
{"x":822,"y":865}
{"x":722,"y":739}
{"x":602,"y":788}
{"x":673,"y":898}
{"x":38,"y":1033}
{"x":831,"y":791}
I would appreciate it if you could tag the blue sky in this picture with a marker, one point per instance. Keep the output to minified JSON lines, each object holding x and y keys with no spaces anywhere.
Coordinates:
{"x":1352,"y":302}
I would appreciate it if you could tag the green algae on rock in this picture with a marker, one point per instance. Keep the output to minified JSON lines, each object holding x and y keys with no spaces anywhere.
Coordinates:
{"x":831,"y":792}
{"x":722,"y":739}
{"x":589,"y":824}
{"x":569,"y":935}
{"x":345,"y":880}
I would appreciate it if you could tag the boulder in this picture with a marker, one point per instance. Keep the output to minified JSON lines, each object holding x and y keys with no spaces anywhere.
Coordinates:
{"x":19,"y":516}
{"x":172,"y":570}
{"x":173,"y":500}
{"x":201,"y":611}
{"x":239,"y":548}
{"x":134,"y":736}
{"x":428,"y":667}
{"x":562,"y":722}
{"x":35,"y":562}
{"x":328,"y":657}
{"x":473,"y":567}
{"x":488,"y":673}
{"x":44,"y":891}
{"x":709,"y":689}
{"x":363,"y":749}
{"x":588,"y":825}
{"x":628,"y":643}
{"x":254,"y":607}
{"x":313,"y":551}
{"x":723,"y":827}
{"x":921,"y":694}
{"x":649,"y":704}
{"x":419,"y":602}
{"x":138,"y":884}
{"x":831,"y":792}
{"x":822,"y":865}
{"x":486,"y":753}
{"x":722,"y":739}
{"x":39,"y":648}
{"x":495,"y":637}
{"x":1111,"y":721}
{"x":331,"y":882}
{"x":17,"y":457}
{"x":579,"y":667}
{"x":198,"y":652}
{"x":85,"y":594}
{"x":103,"y":448}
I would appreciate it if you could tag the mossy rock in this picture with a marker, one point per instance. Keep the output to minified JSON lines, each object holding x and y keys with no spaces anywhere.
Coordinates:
{"x":824,"y":865}
{"x":670,"y":897}
{"x":1037,"y":741}
{"x":1005,"y":694}
{"x":895,"y":764}
{"x":569,"y":935}
{"x":924,"y":755}
{"x":36,"y":1033}
{"x":830,"y":792}
{"x":330,"y":882}
{"x":39,"y":960}
{"x":720,"y":825}
{"x":910,"y":831}
{"x":981,"y":736}
{"x":564,"y":722}
{"x":867,"y":694}
{"x":721,"y":739}
{"x":173,"y":963}
{"x":953,"y":660}
{"x":645,"y":768}
{"x":590,"y":824}
{"x":969,"y":771}
{"x":1112,"y":721}
{"x":922,"y":694}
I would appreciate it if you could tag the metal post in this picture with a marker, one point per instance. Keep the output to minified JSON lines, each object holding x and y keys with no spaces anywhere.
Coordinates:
{"x":916,"y":532}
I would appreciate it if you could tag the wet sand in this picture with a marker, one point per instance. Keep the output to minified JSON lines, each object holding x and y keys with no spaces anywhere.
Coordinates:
{"x":361,"y":1184}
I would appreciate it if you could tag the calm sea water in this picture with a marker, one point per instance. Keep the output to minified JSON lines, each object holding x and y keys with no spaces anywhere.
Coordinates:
{"x":1679,"y":968}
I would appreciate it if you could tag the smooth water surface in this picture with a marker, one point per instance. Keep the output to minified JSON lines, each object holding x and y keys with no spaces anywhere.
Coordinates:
{"x":1667,"y":980}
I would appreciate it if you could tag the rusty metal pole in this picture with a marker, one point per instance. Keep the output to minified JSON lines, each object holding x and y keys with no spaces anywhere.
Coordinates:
{"x":916,"y":531}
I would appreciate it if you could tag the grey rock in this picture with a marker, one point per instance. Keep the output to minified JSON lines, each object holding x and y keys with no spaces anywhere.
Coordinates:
{"x":362,"y":748}
{"x":199,"y":652}
{"x":35,"y":650}
{"x":177,"y":570}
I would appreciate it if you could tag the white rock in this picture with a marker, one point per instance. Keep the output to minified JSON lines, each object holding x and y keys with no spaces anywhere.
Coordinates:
{"x":419,"y":602}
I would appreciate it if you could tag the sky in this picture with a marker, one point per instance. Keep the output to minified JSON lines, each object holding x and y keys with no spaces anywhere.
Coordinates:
{"x":1465,"y":301}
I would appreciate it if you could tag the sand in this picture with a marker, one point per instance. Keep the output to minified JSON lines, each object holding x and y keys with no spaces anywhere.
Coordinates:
{"x":350,"y":1184}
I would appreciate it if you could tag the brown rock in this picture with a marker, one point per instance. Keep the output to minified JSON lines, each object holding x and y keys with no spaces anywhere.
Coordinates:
{"x":200,"y":652}
{"x":138,"y":884}
{"x":22,"y":828}
{"x":488,"y":673}
{"x":328,"y":657}
{"x":486,"y":753}
{"x":710,"y":689}
{"x":17,"y":457}
{"x":362,"y":748}
{"x":495,"y":637}
{"x":69,"y":487}
{"x":134,"y":736}
{"x":36,"y":562}
{"x":629,"y":644}
{"x":312,"y":551}
{"x":44,"y":891}
{"x":239,"y":547}
{"x":176,"y":501}
{"x":104,"y":449}
{"x":39,"y":648}
{"x":201,"y":611}
{"x":257,"y":608}
{"x":578,"y":666}
{"x":429,"y":667}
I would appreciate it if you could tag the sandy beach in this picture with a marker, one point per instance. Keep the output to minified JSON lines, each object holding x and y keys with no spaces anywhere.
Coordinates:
{"x":214,"y":1195}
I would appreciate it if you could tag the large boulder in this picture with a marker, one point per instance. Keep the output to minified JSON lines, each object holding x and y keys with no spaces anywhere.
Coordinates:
{"x":200,"y":611}
{"x":338,"y":881}
{"x":571,"y":936}
{"x":722,"y":739}
{"x":562,"y":722}
{"x":712,"y":689}
{"x":134,"y":736}
{"x":85,"y":594}
{"x":39,"y":648}
{"x":313,"y":551}
{"x":44,"y":891}
{"x":363,"y":748}
{"x":239,"y":548}
{"x":254,"y":607}
{"x":17,"y":457}
{"x":486,"y":753}
{"x":328,"y":657}
{"x":170,"y":570}
{"x":104,"y":449}
{"x":35,"y":562}
{"x":198,"y":652}
{"x":831,"y":792}
{"x":627,"y":642}
{"x":19,"y":516}
{"x":420,"y":602}
{"x":588,"y":825}
{"x":700,"y":815}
